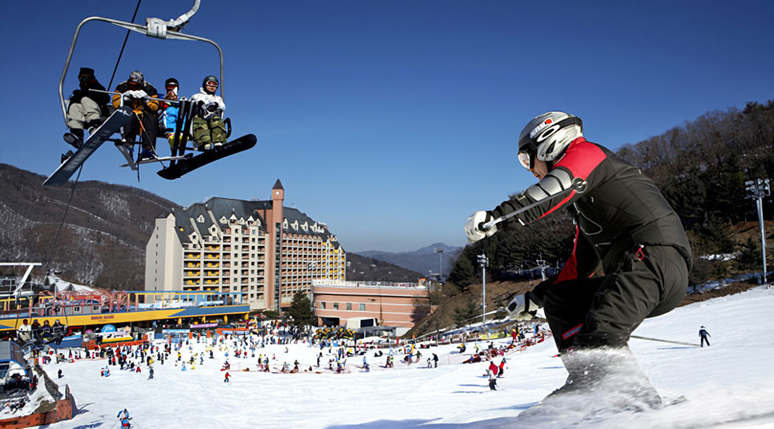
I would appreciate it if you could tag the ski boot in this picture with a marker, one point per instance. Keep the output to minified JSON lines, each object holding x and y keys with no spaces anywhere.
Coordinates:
{"x":607,"y":378}
{"x":146,"y":153}
{"x":74,"y":137}
{"x":66,"y":156}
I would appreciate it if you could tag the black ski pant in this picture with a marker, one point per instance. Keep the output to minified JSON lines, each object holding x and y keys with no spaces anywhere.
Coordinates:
{"x":603,"y":311}
{"x":147,"y":129}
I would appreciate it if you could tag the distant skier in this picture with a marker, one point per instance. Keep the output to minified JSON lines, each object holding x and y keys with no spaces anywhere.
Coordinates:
{"x":123,"y":416}
{"x":493,"y":368}
{"x":703,"y":334}
{"x":492,"y":379}
{"x":435,"y":360}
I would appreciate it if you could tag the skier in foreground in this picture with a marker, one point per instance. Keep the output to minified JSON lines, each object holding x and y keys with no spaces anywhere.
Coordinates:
{"x":623,"y":226}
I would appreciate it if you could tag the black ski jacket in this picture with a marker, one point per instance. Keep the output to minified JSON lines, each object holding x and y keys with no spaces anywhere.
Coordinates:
{"x":617,"y":209}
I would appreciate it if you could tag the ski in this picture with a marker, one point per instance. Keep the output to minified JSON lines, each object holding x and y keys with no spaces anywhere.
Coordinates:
{"x":134,"y":164}
{"x":95,"y":140}
{"x":185,"y":166}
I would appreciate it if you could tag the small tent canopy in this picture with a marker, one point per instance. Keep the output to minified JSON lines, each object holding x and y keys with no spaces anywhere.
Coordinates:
{"x":11,"y":359}
{"x":360,"y":322}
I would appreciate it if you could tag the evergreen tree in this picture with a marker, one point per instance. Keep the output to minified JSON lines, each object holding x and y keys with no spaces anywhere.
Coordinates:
{"x":463,"y":271}
{"x":301,"y":310}
{"x":465,"y":315}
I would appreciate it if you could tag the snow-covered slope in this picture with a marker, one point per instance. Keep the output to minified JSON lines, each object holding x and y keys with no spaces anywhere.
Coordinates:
{"x":730,"y":384}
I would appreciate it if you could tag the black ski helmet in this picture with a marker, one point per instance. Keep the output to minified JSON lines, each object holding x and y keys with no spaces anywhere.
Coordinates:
{"x":210,"y":78}
{"x":171,"y":81}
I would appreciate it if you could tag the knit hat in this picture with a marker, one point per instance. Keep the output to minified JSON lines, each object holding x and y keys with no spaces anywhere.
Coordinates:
{"x":86,"y":70}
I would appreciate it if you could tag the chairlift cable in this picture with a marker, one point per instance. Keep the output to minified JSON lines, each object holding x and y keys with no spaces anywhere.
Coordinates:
{"x":77,"y":178}
{"x":64,"y":216}
{"x":121,"y":54}
{"x":72,"y":192}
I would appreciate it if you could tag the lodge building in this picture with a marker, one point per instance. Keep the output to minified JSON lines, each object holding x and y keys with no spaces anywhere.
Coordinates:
{"x":259,"y":251}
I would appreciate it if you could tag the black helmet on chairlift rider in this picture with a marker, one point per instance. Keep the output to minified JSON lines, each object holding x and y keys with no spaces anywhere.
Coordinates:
{"x":210,"y":78}
{"x":547,"y":136}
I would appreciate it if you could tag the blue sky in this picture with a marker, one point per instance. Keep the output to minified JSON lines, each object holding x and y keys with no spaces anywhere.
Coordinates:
{"x":391,"y":121}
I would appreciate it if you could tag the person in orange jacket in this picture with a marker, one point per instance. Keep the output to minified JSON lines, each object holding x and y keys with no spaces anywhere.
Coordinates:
{"x":142,"y":97}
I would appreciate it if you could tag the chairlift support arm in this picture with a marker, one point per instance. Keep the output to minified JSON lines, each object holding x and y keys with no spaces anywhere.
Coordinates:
{"x":154,"y":27}
{"x":30,"y":266}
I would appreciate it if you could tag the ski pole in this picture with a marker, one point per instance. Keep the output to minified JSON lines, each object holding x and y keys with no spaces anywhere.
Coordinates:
{"x":578,"y":185}
{"x":663,"y":341}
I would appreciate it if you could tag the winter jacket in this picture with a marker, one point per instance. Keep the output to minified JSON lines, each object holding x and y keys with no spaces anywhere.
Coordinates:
{"x":210,"y":104}
{"x":84,"y":90}
{"x":138,"y":105}
{"x":618,"y":209}
{"x":168,"y":119}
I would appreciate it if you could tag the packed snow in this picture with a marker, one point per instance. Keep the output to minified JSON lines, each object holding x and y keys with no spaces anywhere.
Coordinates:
{"x":728,"y":384}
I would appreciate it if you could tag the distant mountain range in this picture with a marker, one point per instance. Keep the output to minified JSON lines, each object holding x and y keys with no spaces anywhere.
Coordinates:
{"x":427,"y":260}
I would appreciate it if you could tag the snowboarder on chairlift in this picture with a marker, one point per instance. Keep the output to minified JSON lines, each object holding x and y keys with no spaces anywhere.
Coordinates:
{"x":170,"y":111}
{"x":208,"y":128}
{"x":87,"y":108}
{"x":624,"y":226}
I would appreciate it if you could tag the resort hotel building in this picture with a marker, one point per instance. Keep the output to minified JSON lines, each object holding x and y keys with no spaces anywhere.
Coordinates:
{"x":262,"y":253}
{"x":259,"y":251}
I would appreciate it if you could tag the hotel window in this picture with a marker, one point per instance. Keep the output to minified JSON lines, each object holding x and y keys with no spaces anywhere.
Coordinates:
{"x":362,"y":307}
{"x":349,"y":306}
{"x":322,"y":305}
{"x":335,"y":305}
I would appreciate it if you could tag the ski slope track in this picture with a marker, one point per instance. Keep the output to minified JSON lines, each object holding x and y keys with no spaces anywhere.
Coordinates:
{"x":727,"y":385}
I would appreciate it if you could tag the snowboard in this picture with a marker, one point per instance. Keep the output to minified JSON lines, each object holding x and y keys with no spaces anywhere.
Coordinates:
{"x":185,"y":166}
{"x":70,"y":165}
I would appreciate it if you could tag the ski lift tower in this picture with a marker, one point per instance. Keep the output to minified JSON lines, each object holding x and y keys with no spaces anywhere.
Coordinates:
{"x":440,"y":263}
{"x":757,"y":189}
{"x":484,"y":262}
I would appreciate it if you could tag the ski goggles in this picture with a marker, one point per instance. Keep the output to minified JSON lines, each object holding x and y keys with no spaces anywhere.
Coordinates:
{"x":527,"y":156}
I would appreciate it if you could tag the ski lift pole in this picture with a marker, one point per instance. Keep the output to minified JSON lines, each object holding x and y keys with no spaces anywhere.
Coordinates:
{"x":578,"y":185}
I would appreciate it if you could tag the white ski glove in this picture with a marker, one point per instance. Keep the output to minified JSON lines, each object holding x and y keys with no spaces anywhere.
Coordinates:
{"x":136,"y":94}
{"x":523,"y":307}
{"x":474,"y":226}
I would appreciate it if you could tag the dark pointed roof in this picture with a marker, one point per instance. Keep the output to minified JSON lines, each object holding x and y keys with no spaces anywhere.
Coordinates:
{"x":278,"y":185}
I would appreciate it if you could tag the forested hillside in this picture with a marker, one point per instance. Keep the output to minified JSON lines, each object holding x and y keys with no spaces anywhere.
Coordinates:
{"x":94,"y":236}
